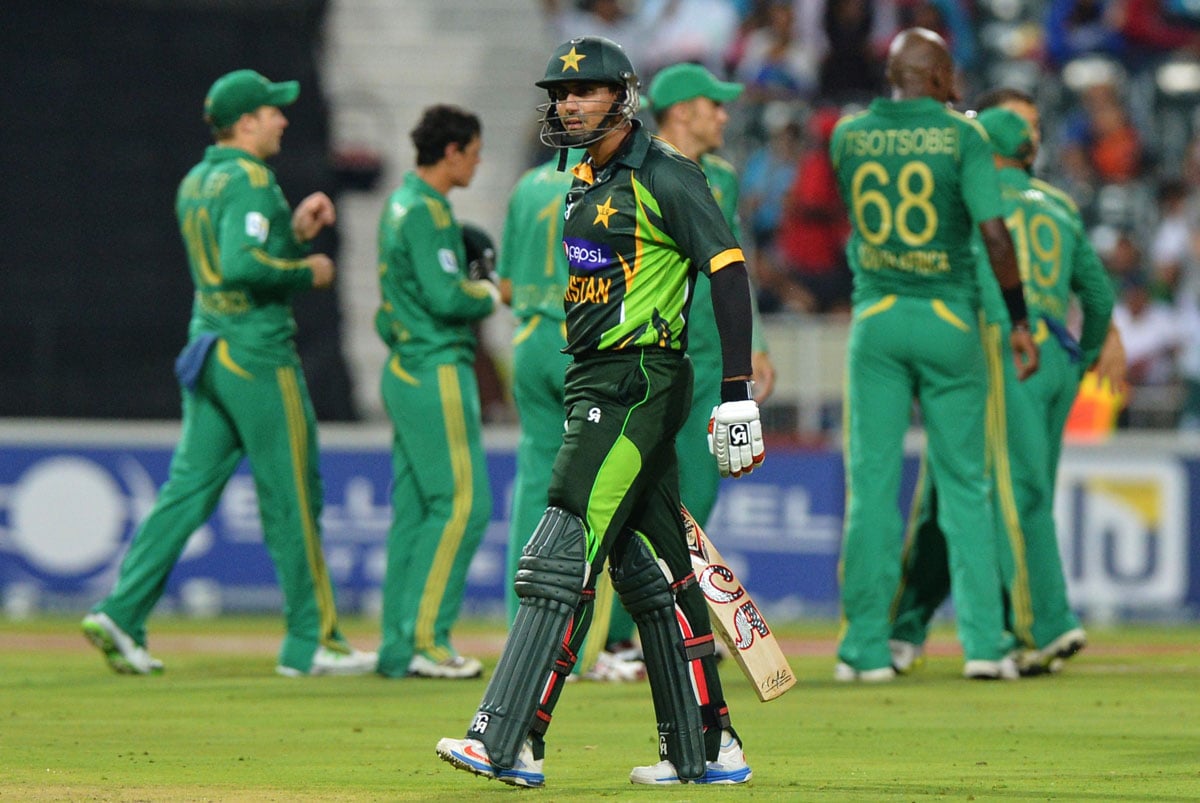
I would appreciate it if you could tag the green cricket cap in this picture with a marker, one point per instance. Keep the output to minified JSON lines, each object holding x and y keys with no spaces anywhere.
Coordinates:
{"x":242,"y":92}
{"x":685,"y":81}
{"x":1009,"y":133}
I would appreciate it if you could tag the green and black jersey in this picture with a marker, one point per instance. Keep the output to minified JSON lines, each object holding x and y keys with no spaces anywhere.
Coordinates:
{"x":917,"y":178}
{"x":429,"y":303}
{"x":245,"y":262}
{"x":637,"y":231}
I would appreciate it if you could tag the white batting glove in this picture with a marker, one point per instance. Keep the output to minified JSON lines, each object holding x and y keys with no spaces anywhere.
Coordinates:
{"x":735,"y":437}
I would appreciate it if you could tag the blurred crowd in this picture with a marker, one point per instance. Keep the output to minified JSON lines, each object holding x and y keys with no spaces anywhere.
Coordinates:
{"x":1118,"y":85}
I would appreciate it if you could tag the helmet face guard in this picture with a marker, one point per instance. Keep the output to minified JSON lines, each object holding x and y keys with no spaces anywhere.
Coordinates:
{"x":588,"y":60}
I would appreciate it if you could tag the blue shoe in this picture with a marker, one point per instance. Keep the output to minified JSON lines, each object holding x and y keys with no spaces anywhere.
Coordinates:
{"x":729,"y":768}
{"x":471,"y":755}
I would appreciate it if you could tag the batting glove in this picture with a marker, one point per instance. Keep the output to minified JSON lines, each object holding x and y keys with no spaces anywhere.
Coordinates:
{"x":735,"y":437}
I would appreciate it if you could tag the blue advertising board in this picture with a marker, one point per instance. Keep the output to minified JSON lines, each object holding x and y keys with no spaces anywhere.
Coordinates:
{"x":69,"y":507}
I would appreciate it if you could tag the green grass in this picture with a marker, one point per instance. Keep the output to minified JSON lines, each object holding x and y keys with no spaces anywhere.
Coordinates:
{"x":1121,"y":724}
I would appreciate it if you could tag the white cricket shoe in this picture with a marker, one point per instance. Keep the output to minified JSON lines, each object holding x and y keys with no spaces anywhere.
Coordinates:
{"x":471,"y":755}
{"x":1004,"y":669}
{"x":454,"y":667}
{"x":844,"y":673}
{"x":331,"y":662}
{"x":906,"y":656}
{"x":729,"y":768}
{"x":611,"y":669}
{"x":123,"y":654}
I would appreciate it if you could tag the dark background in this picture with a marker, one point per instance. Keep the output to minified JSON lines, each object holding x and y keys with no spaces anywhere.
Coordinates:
{"x":102,"y":106}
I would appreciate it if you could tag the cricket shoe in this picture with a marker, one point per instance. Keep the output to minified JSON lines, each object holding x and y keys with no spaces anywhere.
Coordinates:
{"x":332,"y":662}
{"x":471,"y":755}
{"x":844,"y":673}
{"x":456,"y":667}
{"x":906,"y":656}
{"x":1051,"y":658}
{"x":123,"y":654}
{"x":1004,"y":669}
{"x":611,"y":669}
{"x":729,"y":768}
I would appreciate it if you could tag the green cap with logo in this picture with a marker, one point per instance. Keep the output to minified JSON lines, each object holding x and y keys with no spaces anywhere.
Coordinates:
{"x":242,"y":92}
{"x":1008,"y":131}
{"x":681,"y":82}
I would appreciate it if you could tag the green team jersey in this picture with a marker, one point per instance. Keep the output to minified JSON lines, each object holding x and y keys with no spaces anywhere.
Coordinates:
{"x":245,"y":262}
{"x":636,"y":232}
{"x":703,"y":338}
{"x":428,"y":303}
{"x":918,"y":178}
{"x":531,"y":252}
{"x":1055,"y":257}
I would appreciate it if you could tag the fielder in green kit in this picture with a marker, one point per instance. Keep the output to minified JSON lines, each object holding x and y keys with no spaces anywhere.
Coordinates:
{"x":1027,"y":418}
{"x":687,"y":101}
{"x":441,"y":498}
{"x":918,"y":178}
{"x":243,"y":388}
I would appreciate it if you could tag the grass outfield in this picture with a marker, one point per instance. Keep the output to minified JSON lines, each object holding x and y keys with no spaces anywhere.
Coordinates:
{"x":1121,"y":724}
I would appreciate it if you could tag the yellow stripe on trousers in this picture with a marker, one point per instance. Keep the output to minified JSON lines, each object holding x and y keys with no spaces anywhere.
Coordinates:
{"x":297,"y":428}
{"x":920,"y":501}
{"x":460,"y":511}
{"x":997,"y":440}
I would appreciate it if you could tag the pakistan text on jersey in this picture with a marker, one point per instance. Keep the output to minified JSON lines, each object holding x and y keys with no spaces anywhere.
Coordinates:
{"x":587,"y":290}
{"x":901,"y":142}
{"x":925,"y":263}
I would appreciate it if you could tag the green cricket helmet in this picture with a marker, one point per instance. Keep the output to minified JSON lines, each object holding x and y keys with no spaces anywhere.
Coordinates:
{"x":588,"y":59}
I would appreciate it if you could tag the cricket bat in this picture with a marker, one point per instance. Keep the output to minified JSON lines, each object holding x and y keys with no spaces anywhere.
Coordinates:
{"x":737,"y":619}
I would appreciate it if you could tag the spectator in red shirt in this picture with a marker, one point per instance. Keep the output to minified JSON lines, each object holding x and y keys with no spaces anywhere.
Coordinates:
{"x":811,"y":273}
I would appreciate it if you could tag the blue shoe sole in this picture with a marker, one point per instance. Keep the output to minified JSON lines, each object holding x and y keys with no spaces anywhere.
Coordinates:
{"x":511,"y":777}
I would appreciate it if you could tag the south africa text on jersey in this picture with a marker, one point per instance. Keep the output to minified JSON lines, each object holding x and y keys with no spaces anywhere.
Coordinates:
{"x":588,"y":290}
{"x":925,"y":263}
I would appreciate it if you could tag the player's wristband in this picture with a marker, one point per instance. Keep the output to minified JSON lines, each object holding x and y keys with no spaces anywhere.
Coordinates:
{"x":1014,"y":299}
{"x":735,"y":390}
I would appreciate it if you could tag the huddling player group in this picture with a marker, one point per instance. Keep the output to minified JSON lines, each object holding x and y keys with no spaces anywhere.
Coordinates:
{"x":637,"y":383}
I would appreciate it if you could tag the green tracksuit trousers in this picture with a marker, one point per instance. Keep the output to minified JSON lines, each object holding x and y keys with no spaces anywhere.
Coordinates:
{"x":1024,"y":441}
{"x":901,"y":349}
{"x":441,"y":504}
{"x":242,"y":406}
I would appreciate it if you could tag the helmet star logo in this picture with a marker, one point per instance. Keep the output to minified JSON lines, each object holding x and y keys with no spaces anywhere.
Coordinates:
{"x":571,"y":60}
{"x":604,"y":211}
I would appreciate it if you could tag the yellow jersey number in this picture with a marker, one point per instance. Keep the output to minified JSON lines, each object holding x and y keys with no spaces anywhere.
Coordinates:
{"x":201,"y":243}
{"x":915,"y":185}
{"x":1039,"y":246}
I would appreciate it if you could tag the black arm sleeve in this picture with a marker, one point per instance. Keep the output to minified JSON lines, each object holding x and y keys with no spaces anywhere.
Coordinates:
{"x":731,"y":306}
